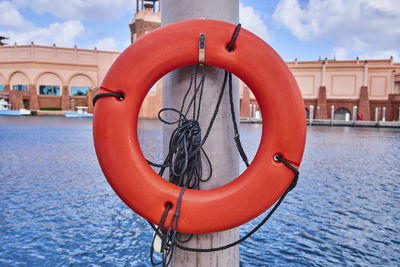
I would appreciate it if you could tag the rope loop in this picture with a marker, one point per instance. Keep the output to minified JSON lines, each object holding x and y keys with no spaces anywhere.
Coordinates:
{"x":167,"y":236}
{"x":277,"y":204}
{"x":278,"y":157}
{"x":234,"y":37}
{"x":117,"y":95}
{"x":186,"y":142}
{"x":255,"y":229}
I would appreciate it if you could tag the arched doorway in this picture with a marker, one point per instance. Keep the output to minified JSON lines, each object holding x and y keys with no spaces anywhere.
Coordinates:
{"x":342,"y":114}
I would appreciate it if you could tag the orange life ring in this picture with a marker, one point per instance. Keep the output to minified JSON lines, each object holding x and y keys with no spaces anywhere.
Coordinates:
{"x":146,"y":61}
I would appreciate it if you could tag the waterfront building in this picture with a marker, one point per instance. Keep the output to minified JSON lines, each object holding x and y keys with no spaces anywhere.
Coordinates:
{"x":49,"y":77}
{"x":37,"y":77}
{"x":343,"y":85}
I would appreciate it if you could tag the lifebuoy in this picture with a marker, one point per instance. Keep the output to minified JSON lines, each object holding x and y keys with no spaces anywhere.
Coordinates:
{"x":149,"y":59}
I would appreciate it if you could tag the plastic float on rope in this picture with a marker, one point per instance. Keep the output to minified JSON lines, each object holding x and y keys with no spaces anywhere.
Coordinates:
{"x":174,"y":46}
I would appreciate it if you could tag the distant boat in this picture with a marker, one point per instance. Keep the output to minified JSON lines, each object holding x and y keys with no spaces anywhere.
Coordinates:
{"x":81,"y":112}
{"x":77,"y":115}
{"x":5,"y":109}
{"x":21,"y":112}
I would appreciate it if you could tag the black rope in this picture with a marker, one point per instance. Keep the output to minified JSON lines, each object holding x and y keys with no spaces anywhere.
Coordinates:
{"x":167,"y":236}
{"x":193,"y":124}
{"x":186,"y":144}
{"x":255,"y":229}
{"x":278,"y":157}
{"x":117,"y":95}
{"x":270,"y":213}
{"x":235,"y":127}
{"x":234,"y":37}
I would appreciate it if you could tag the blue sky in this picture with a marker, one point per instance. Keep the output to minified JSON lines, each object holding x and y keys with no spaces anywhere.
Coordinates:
{"x":302,"y":29}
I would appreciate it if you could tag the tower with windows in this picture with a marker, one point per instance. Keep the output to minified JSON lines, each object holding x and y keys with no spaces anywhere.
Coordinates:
{"x":147,"y":18}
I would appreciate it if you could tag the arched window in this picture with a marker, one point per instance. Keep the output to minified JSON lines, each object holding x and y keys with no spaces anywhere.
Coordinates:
{"x":2,"y":83}
{"x":19,"y":82}
{"x":49,"y":84}
{"x":79,"y":85}
{"x":342,"y":114}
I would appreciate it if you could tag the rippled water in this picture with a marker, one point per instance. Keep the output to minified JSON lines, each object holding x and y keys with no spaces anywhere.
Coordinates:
{"x":56,"y":208}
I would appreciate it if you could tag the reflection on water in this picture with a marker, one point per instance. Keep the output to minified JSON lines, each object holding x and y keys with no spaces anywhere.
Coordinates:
{"x":56,"y":208}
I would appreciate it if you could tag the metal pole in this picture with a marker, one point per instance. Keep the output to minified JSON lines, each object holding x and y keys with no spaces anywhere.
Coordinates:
{"x":220,"y":146}
{"x":384,"y":114}
{"x":376,"y":115}
{"x":250,"y":110}
{"x":311,"y":114}
{"x":354,"y":115}
{"x":332,"y":114}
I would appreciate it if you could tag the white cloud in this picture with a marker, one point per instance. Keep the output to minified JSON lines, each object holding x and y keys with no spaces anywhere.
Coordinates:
{"x":11,"y":18}
{"x":360,"y":26}
{"x":88,"y":10}
{"x":21,"y":31}
{"x":382,"y":54}
{"x":339,"y":53}
{"x":250,"y":20}
{"x":289,"y":14}
{"x":108,"y":44}
{"x":62,"y":34}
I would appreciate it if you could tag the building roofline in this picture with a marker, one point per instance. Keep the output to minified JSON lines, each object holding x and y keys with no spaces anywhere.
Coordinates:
{"x":342,"y":61}
{"x":59,"y":47}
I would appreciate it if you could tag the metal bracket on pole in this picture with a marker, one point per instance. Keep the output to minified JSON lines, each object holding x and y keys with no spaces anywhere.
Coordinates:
{"x":202,"y":48}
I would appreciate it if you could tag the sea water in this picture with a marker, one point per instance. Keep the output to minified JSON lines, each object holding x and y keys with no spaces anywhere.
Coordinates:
{"x":56,"y":207}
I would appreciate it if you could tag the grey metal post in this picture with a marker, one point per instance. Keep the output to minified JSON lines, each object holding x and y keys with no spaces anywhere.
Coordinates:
{"x":311,"y":114}
{"x":317,"y":117}
{"x":354,"y":115}
{"x":258,"y":114}
{"x":332,"y":114}
{"x":384,"y":114}
{"x":250,"y":110}
{"x":376,"y":115}
{"x":254,"y":111}
{"x":220,"y":145}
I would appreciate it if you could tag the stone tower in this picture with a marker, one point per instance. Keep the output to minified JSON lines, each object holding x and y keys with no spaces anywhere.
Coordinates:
{"x":147,"y":18}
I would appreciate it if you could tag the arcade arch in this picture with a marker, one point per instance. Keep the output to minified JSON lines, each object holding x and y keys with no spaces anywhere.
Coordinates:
{"x":3,"y":82}
{"x":80,"y":84}
{"x":49,"y":83}
{"x":19,"y":81}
